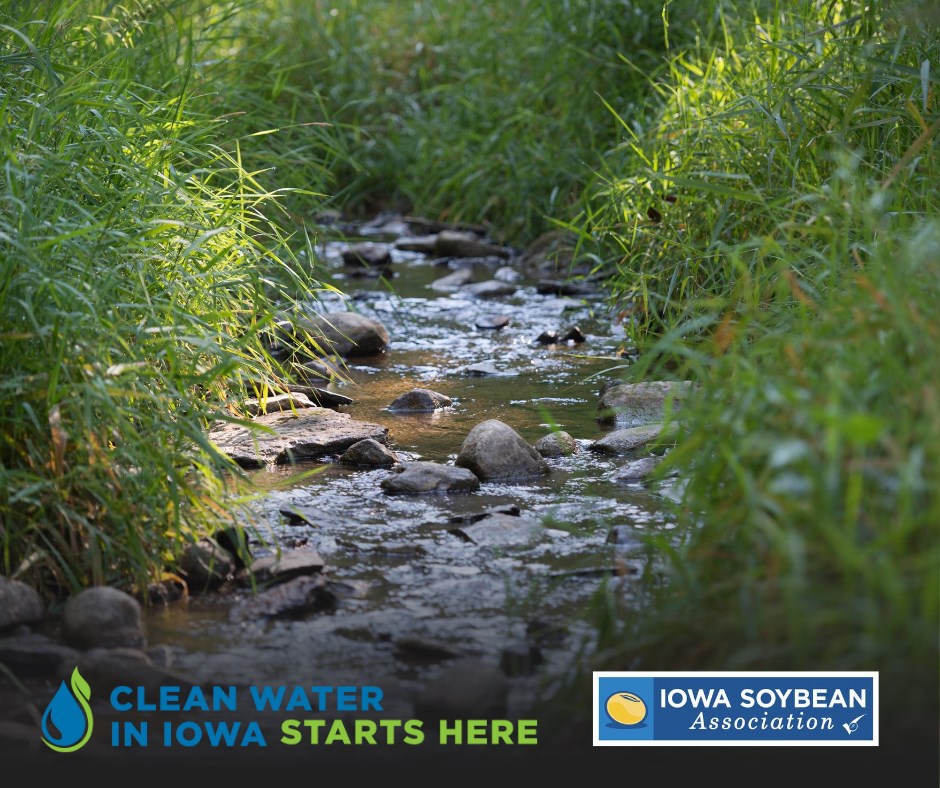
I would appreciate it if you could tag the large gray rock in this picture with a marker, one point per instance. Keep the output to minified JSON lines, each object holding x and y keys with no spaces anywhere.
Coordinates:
{"x":638,"y":404}
{"x":501,"y":530}
{"x":627,"y":441}
{"x":557,"y":444}
{"x":429,"y":477}
{"x":126,"y":666}
{"x":469,"y":689}
{"x":494,"y":450}
{"x":367,"y":254}
{"x":205,"y":565}
{"x":103,"y":617}
{"x":417,"y":243}
{"x":346,"y":333}
{"x":19,"y":604}
{"x":453,"y":243}
{"x":369,"y":452}
{"x":420,"y":401}
{"x":306,"y":435}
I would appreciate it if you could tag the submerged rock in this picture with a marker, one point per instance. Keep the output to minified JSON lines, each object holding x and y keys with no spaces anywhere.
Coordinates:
{"x":103,"y":617}
{"x":420,"y":401}
{"x":429,"y":477}
{"x":494,"y":450}
{"x":574,"y":334}
{"x":423,"y":244}
{"x":306,"y":435}
{"x":637,"y":470}
{"x":294,"y":599}
{"x":492,"y":322}
{"x":638,"y":404}
{"x":288,"y":565}
{"x":501,"y":530}
{"x":481,"y":369}
{"x":557,"y":444}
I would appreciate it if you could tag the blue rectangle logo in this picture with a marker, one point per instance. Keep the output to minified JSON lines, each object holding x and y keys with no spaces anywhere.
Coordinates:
{"x":736,"y":708}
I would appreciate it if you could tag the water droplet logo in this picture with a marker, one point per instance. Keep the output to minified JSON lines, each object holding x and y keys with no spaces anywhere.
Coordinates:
{"x":67,"y":722}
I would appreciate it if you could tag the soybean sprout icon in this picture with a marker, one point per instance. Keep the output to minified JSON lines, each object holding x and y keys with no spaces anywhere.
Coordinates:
{"x":626,"y":708}
{"x":67,"y":721}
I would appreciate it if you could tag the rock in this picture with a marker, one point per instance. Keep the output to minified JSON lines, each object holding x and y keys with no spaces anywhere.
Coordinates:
{"x":628,"y":440}
{"x":481,"y":369}
{"x":469,"y":689}
{"x":494,"y":450}
{"x":429,"y":477}
{"x":306,"y":435}
{"x":369,"y":452}
{"x":103,"y":617}
{"x":491,"y":288}
{"x":417,"y":243}
{"x":451,"y":243}
{"x":35,"y":655}
{"x":557,"y":444}
{"x":348,"y":589}
{"x":278,"y":402}
{"x":420,"y":401}
{"x":424,"y":650}
{"x":168,"y":590}
{"x":306,"y":515}
{"x":563,"y":287}
{"x":551,"y":254}
{"x":454,"y":281}
{"x":637,"y":404}
{"x":500,"y":530}
{"x":293,"y":599}
{"x":321,"y":397}
{"x":124,"y":666}
{"x":507,"y":274}
{"x":492,"y":322}
{"x":520,"y":659}
{"x":234,"y":541}
{"x":346,"y":333}
{"x":206,"y":565}
{"x":288,"y":565}
{"x":636,"y":471}
{"x":574,"y":334}
{"x":368,"y":254}
{"x":19,"y":604}
{"x":548,"y":338}
{"x":624,"y":536}
{"x":469,"y":519}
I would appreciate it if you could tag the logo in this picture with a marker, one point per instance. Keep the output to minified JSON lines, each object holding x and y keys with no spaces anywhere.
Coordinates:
{"x":67,"y":721}
{"x":736,"y":708}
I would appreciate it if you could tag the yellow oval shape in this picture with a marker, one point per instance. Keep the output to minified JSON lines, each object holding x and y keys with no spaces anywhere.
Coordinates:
{"x":626,"y":708}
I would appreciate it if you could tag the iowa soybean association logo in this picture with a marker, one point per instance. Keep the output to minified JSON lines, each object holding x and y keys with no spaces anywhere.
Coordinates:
{"x":67,"y":722}
{"x":736,"y":708}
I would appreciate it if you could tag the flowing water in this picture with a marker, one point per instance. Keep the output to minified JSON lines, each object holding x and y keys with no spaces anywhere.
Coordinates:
{"x":417,"y":590}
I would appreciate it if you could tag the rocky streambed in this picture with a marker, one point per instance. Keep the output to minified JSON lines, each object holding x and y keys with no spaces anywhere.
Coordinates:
{"x":438,"y":504}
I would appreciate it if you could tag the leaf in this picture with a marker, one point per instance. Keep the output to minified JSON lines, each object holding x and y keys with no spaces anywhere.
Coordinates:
{"x":80,"y":686}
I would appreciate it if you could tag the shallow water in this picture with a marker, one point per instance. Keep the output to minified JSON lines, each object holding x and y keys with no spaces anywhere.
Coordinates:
{"x":407,"y":575}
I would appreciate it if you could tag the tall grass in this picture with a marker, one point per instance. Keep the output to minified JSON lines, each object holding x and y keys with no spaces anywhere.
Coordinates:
{"x":474,"y":112}
{"x":793,"y":274}
{"x":141,"y":264}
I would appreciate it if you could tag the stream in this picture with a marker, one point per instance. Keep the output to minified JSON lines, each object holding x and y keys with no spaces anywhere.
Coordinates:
{"x":418,"y":595}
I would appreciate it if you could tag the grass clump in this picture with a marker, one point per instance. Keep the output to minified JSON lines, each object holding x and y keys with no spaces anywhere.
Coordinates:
{"x":774,"y":237}
{"x":141,"y":269}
